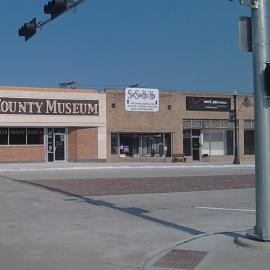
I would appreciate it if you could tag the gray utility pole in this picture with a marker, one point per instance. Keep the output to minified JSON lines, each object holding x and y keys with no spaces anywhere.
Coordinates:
{"x":262,"y":120}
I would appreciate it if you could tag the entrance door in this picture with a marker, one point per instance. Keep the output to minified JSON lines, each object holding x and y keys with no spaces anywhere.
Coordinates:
{"x":59,"y":146}
{"x":196,"y":148}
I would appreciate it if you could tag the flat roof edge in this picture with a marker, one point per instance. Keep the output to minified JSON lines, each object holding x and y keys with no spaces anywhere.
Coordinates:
{"x":45,"y":89}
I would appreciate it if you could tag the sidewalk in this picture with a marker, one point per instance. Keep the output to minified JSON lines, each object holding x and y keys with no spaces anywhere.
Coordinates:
{"x":211,"y":252}
{"x":53,"y":166}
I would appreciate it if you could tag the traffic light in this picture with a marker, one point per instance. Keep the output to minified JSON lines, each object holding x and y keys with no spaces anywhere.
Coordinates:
{"x":28,"y":29}
{"x":267,"y":79}
{"x":55,"y":8}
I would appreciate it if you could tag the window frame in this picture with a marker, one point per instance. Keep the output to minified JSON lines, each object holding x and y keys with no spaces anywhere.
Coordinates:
{"x":9,"y":135}
{"x":27,"y":138}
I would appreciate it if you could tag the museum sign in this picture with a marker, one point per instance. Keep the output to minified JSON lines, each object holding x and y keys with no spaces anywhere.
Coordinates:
{"x":48,"y":106}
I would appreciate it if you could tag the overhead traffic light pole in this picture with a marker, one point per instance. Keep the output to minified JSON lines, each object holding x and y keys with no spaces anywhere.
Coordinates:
{"x":58,"y":7}
{"x":55,"y":8}
{"x":262,"y":119}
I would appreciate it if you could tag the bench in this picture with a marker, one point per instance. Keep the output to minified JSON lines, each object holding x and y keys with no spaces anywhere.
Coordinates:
{"x":178,"y":158}
{"x":205,"y":157}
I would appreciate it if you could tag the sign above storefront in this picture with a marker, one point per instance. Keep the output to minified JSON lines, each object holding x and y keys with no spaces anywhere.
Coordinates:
{"x":208,"y":104}
{"x":48,"y":106}
{"x":141,"y":100}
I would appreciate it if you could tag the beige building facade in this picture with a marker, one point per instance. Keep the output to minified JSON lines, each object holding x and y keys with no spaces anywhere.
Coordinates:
{"x":51,"y":125}
{"x":44,"y":124}
{"x":193,"y":124}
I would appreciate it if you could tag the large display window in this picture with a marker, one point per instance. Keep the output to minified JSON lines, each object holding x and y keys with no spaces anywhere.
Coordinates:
{"x":206,"y":137}
{"x":141,"y":144}
{"x":213,"y":142}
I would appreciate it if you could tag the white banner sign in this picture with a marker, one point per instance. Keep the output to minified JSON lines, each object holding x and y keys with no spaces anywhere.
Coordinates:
{"x":141,"y":100}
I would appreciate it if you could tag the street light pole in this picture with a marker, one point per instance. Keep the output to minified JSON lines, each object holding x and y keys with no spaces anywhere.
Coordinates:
{"x":262,"y":120}
{"x":236,"y":153}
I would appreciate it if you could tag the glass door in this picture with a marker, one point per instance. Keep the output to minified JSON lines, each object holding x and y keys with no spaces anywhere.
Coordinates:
{"x":59,"y":146}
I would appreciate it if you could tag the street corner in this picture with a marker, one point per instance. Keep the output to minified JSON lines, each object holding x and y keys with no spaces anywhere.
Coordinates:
{"x":210,"y":252}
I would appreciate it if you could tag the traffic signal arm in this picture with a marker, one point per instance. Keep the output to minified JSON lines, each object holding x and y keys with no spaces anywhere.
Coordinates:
{"x":58,"y":7}
{"x":55,"y":8}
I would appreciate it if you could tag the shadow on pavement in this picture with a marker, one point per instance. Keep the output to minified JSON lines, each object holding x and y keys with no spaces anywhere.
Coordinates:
{"x":134,"y":211}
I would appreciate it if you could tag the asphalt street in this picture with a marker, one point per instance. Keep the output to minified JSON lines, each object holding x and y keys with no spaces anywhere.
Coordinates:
{"x":51,"y":220}
{"x":66,"y":170}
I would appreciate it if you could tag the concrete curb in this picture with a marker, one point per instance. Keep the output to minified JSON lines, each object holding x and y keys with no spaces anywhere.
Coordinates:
{"x":36,"y":167}
{"x":254,"y":244}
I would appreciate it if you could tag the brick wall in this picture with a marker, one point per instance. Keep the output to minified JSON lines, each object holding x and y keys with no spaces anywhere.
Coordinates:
{"x":83,"y":144}
{"x":22,"y":153}
{"x":171,"y":121}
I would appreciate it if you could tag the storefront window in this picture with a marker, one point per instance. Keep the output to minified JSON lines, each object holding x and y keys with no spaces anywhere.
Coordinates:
{"x":206,"y":123}
{"x":114,"y":143}
{"x":212,"y":141}
{"x":129,"y":145}
{"x":35,"y":136}
{"x":146,"y":142}
{"x":21,"y":136}
{"x":216,"y":123}
{"x":217,"y":142}
{"x":249,"y":142}
{"x":187,"y":123}
{"x":143,"y":145}
{"x":205,"y":142}
{"x":196,"y":123}
{"x":3,"y":136}
{"x":249,"y":124}
{"x":152,"y":145}
{"x":17,"y":136}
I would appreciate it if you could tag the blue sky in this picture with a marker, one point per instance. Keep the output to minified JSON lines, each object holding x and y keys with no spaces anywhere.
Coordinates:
{"x":166,"y":44}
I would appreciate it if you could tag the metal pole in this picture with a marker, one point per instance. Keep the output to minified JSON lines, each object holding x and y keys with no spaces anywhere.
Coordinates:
{"x":262,"y":121}
{"x":236,"y":153}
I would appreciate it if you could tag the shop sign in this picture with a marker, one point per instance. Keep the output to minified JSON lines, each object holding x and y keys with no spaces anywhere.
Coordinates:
{"x":141,"y":100}
{"x":48,"y":106}
{"x":208,"y":104}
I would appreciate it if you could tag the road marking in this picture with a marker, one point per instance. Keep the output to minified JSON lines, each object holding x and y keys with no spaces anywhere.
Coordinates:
{"x":226,"y":209}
